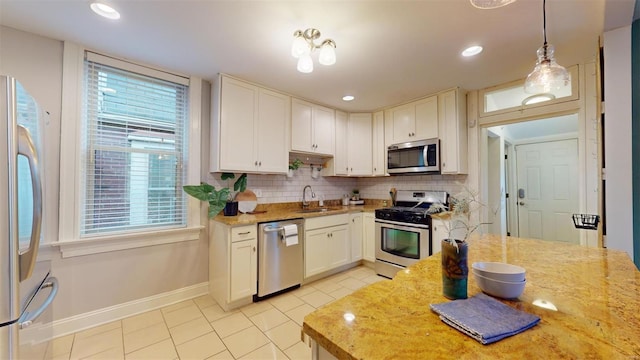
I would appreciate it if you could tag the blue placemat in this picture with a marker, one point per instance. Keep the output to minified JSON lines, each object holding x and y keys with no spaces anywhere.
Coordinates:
{"x":484,"y":318}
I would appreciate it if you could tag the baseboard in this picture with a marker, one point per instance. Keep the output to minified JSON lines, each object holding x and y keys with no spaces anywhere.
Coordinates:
{"x":70,"y":325}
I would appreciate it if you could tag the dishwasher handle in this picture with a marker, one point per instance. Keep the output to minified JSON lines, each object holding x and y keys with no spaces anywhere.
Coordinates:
{"x":273,"y":229}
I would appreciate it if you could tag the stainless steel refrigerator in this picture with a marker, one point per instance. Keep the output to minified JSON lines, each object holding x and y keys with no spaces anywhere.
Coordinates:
{"x":26,"y":287}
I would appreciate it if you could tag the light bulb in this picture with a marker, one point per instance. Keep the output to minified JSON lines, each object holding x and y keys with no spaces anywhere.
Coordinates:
{"x":327,"y":53}
{"x":305,"y":63}
{"x":490,"y":4}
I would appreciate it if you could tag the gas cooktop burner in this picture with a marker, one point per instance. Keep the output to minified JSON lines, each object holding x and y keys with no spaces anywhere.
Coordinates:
{"x":412,"y":206}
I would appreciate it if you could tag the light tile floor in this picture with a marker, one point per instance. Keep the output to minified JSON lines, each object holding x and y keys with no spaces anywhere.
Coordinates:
{"x":200,"y":329}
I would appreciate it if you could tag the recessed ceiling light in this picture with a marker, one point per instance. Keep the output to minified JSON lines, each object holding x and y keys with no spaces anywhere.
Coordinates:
{"x":105,"y":10}
{"x":472,"y":50}
{"x":348,"y":97}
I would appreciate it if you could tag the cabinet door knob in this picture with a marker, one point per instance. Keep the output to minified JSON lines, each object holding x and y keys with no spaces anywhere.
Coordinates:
{"x":254,"y":249}
{"x":259,"y":163}
{"x":255,"y":163}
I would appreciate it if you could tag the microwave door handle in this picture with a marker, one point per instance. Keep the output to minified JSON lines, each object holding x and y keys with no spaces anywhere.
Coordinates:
{"x":29,"y":317}
{"x":28,"y":149}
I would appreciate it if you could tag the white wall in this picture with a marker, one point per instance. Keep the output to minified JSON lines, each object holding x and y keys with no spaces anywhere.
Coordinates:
{"x":91,"y":282}
{"x":617,"y":139}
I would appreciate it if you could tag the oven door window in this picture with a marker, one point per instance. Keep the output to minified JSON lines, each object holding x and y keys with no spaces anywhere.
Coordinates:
{"x":401,"y":242}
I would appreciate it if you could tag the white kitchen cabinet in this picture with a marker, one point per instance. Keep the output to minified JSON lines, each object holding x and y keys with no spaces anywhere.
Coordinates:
{"x":452,"y":128}
{"x":326,"y":244}
{"x":356,"y":232}
{"x":243,"y":269}
{"x":250,"y":128}
{"x":340,"y":161}
{"x":353,"y":156}
{"x":379,"y":150}
{"x":312,"y":128}
{"x":417,"y":120}
{"x":233,"y":264}
{"x":359,"y":144}
{"x":369,"y":237}
{"x":439,"y":232}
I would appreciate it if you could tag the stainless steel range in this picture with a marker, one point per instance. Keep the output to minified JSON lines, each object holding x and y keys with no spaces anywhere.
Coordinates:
{"x":403,"y":232}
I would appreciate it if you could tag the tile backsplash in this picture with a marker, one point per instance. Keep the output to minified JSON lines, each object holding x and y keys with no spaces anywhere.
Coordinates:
{"x":279,"y":188}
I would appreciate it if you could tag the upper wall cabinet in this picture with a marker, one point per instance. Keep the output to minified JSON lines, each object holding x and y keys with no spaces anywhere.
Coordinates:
{"x":452,"y":131}
{"x":312,"y":128}
{"x":417,"y":120}
{"x":378,"y":147}
{"x":353,"y":155}
{"x":249,"y":128}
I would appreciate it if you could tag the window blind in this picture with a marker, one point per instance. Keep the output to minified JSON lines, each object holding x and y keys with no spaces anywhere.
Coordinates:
{"x":133,"y":166}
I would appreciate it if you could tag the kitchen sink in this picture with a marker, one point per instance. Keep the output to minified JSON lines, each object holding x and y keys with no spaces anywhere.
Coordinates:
{"x":315,"y":210}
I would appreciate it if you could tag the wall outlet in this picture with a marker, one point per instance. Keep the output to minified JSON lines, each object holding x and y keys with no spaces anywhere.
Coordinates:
{"x":258,"y":192}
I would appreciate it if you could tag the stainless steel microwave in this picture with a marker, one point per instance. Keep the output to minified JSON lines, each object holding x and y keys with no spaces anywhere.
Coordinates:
{"x":414,"y":157}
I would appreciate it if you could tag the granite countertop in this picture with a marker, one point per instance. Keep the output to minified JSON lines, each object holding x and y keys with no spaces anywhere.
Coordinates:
{"x":286,"y":211}
{"x":592,"y":298}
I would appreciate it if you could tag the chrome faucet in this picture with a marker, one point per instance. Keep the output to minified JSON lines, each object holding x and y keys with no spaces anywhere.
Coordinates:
{"x":305,"y":203}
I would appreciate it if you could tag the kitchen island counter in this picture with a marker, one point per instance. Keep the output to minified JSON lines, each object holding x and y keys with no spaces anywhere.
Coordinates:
{"x":588,"y":300}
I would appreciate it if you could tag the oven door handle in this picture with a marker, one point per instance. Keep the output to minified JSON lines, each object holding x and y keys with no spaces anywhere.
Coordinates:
{"x":402,"y":224}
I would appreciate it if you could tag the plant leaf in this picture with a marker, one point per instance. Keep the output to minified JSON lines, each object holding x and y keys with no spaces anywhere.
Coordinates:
{"x":241,"y":184}
{"x":226,"y":176}
{"x":200,"y":192}
{"x":217,"y":201}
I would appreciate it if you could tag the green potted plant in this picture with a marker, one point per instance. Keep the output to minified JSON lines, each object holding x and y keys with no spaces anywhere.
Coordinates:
{"x":294,"y":166}
{"x":219,"y":199}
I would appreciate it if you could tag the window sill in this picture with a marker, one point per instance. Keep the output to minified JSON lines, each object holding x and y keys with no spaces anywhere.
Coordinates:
{"x":71,"y":248}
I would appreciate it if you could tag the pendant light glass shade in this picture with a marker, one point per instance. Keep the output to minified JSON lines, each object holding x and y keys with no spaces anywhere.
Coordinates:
{"x":327,"y":53}
{"x":305,"y":63}
{"x":299,"y":46}
{"x":490,"y":4}
{"x":547,"y":76}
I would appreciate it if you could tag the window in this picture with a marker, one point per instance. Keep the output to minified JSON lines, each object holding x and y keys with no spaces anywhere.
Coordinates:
{"x":132,"y":165}
{"x":129,"y":140}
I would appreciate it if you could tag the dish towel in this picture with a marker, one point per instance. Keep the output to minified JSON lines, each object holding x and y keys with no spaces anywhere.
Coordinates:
{"x":484,"y":318}
{"x":291,"y":235}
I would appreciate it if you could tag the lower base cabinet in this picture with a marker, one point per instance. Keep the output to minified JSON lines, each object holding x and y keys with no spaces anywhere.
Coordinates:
{"x":233,"y":264}
{"x":439,"y":232}
{"x":326,"y":244}
{"x":369,"y":237}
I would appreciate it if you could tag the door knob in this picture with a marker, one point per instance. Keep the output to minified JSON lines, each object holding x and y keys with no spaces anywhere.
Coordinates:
{"x":521,"y":202}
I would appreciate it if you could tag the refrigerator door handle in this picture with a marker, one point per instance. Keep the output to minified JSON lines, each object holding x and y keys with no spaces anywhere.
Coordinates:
{"x":27,"y":317}
{"x":28,"y":149}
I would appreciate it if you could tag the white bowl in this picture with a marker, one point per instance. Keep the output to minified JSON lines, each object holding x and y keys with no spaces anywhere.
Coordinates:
{"x":499,"y":271}
{"x":501,"y":289}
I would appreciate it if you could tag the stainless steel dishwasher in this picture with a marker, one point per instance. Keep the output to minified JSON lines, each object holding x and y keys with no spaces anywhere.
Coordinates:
{"x":280,"y":257}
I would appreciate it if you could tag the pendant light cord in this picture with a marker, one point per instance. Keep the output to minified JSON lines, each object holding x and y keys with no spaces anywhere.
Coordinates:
{"x":544,"y":21}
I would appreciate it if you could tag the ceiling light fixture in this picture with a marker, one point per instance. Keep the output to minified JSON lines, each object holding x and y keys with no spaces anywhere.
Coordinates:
{"x":303,"y":45}
{"x":105,"y":10}
{"x":490,"y":4}
{"x":348,"y":97}
{"x":547,"y":75}
{"x":472,"y":51}
{"x":537,"y":98}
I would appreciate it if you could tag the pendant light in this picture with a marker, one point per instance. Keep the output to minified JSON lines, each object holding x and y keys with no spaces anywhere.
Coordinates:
{"x":547,"y":76}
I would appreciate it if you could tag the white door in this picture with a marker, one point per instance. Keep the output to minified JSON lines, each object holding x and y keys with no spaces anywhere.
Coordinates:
{"x":548,"y":190}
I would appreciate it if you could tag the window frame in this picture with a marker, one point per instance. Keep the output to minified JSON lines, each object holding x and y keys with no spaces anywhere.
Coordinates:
{"x":70,"y":241}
